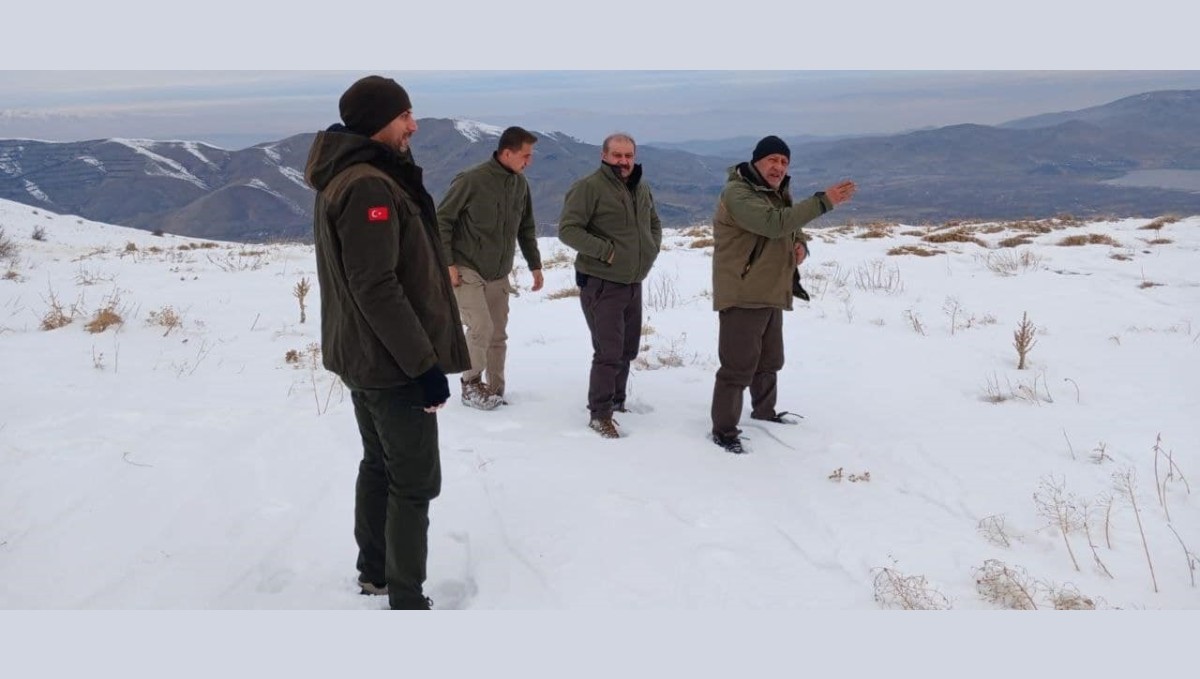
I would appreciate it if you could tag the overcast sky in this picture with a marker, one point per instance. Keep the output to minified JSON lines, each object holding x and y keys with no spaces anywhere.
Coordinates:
{"x":239,"y":108}
{"x":858,"y":67}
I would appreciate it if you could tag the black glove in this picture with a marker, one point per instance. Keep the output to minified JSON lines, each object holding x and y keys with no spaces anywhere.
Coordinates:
{"x":433,"y":383}
{"x":797,"y":289}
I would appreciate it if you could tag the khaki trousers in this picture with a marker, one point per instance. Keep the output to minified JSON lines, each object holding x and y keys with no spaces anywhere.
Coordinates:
{"x":484,"y":309}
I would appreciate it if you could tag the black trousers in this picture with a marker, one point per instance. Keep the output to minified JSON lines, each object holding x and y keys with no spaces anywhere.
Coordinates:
{"x":750,"y":348}
{"x":614,"y":317}
{"x":399,"y":475}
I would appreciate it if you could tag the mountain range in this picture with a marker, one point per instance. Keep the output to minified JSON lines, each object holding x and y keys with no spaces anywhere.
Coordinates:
{"x":1132,"y":157}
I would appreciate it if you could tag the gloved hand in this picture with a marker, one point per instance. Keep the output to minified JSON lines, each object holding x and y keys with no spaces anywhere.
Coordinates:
{"x":434,"y":385}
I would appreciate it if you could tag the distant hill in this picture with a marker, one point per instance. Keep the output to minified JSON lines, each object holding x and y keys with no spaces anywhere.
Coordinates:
{"x":1132,"y":157}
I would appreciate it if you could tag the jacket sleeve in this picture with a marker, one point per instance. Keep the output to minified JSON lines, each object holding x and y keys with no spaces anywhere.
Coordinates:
{"x":450,"y":211}
{"x":757,"y":215}
{"x":572,"y":225}
{"x":371,"y":255}
{"x":527,"y":234}
{"x":655,"y":224}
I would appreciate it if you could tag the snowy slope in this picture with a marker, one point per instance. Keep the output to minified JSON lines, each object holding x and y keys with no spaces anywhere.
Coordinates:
{"x":195,"y":467}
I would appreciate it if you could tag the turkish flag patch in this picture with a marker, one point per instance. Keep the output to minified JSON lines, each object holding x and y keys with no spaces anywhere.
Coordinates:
{"x":377,"y":214}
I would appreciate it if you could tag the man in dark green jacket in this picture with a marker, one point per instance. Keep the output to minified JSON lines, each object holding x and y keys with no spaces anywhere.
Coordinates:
{"x":758,"y":243}
{"x":389,"y":325}
{"x":609,"y":218}
{"x":484,"y":214}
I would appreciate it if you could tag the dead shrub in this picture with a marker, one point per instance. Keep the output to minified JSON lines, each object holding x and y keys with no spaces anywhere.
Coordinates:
{"x":697,"y":232}
{"x":875,"y":232}
{"x":1023,"y":339}
{"x":1159,"y":241}
{"x":1089,"y":239}
{"x":57,"y":316}
{"x":560,"y":258}
{"x":1008,"y":263}
{"x":39,"y":233}
{"x":292,"y":358}
{"x":701,"y":243}
{"x":1006,"y":586}
{"x":130,"y":246}
{"x":908,"y":592}
{"x":1120,"y":257}
{"x":165,"y":317}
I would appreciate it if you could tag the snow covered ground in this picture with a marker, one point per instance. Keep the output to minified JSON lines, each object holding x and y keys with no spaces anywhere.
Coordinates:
{"x":180,"y":460}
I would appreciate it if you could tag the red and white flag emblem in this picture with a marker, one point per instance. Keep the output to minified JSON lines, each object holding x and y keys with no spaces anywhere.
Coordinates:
{"x":377,"y":214}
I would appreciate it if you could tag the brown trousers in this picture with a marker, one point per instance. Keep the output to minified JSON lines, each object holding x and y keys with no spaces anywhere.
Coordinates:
{"x":484,"y":309}
{"x":750,"y":348}
{"x":614,"y":317}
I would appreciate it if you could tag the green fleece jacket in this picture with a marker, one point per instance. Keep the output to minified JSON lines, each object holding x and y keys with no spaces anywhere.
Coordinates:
{"x":605,"y":217}
{"x":487,"y":211}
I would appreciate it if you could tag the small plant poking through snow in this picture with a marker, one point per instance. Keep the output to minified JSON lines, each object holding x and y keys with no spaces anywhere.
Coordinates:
{"x":1023,"y":339}
{"x":300,"y":292}
{"x":1006,"y":586}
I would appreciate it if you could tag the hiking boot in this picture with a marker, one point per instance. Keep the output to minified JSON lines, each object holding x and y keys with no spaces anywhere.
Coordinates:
{"x":605,"y":426}
{"x":491,"y":391}
{"x":780,"y":418}
{"x":476,"y":395}
{"x":372,"y":588}
{"x":731,"y":444}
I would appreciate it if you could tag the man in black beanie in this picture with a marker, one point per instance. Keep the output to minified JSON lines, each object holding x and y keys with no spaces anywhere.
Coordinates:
{"x":390,"y":328}
{"x":758,"y":243}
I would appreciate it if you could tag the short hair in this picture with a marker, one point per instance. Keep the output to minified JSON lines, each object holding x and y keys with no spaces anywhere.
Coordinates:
{"x":618,"y":136}
{"x":514,"y":138}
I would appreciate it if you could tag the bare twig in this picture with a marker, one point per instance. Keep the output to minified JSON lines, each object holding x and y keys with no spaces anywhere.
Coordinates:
{"x":1126,"y":483}
{"x":125,"y":456}
{"x":1191,"y":558}
{"x":1023,"y":339}
{"x":1069,"y":446}
{"x":1068,"y":379}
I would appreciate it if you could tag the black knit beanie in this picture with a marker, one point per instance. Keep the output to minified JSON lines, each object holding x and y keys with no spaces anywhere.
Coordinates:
{"x":371,"y":103}
{"x":768,"y":145}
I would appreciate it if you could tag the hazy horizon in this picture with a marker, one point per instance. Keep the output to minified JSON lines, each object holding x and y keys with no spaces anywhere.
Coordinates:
{"x":236,"y":109}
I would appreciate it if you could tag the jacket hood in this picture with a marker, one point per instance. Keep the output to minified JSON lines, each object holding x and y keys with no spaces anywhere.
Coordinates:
{"x":337,"y":148}
{"x":747,"y":173}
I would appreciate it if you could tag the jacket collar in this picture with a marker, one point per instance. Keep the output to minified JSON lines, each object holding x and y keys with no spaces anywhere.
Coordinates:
{"x":635,"y":177}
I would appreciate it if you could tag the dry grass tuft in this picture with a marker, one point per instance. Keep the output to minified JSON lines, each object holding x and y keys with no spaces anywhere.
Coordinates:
{"x":1008,"y":263}
{"x":131,"y":247}
{"x":1067,"y":598}
{"x":8,"y":247}
{"x":293,"y":358}
{"x":915,"y":250}
{"x":701,"y":243}
{"x":104,"y":319}
{"x":908,"y":592}
{"x":697,"y":232}
{"x":958,"y":235}
{"x":1159,"y":241}
{"x":1159,"y":223}
{"x":572,"y":291}
{"x":1015,"y":241}
{"x":1089,"y":239}
{"x":1120,"y":257}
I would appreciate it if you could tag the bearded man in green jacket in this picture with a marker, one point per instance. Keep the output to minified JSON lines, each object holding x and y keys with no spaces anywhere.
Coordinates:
{"x":389,"y":325}
{"x":485,"y":213}
{"x":758,"y":243}
{"x":609,"y":218}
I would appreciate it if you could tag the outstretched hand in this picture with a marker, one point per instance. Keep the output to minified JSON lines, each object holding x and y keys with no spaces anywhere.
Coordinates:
{"x":842,"y":192}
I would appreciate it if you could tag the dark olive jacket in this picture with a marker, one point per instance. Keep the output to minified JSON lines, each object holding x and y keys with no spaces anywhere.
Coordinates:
{"x":755,"y":231}
{"x":388,"y":311}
